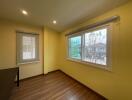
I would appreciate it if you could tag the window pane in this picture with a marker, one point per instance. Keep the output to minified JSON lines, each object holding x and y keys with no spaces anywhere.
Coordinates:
{"x":28,"y":47}
{"x":75,"y":47}
{"x":95,"y":47}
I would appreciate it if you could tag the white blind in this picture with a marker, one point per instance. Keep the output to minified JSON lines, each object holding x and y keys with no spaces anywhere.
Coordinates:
{"x":27,"y":47}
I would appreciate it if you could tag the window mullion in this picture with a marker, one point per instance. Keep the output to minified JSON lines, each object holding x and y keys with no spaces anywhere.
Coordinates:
{"x":82,"y":47}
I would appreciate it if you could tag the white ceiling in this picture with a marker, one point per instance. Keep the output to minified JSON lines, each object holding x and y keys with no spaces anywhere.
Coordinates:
{"x":66,"y":12}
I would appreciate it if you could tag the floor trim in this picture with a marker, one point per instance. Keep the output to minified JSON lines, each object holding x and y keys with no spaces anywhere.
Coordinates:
{"x":31,"y":77}
{"x":82,"y":84}
{"x":52,"y":72}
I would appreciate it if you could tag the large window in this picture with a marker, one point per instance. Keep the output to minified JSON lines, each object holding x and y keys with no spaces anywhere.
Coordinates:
{"x":90,"y":46}
{"x":27,"y":48}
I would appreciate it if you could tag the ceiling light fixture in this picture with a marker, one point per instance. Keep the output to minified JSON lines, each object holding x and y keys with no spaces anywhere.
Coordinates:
{"x":54,"y":22}
{"x":24,"y":12}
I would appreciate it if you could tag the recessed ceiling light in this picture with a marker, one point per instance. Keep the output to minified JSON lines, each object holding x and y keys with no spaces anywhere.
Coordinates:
{"x":24,"y":12}
{"x":54,"y":22}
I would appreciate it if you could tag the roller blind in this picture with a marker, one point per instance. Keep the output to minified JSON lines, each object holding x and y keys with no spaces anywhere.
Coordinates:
{"x":27,"y":47}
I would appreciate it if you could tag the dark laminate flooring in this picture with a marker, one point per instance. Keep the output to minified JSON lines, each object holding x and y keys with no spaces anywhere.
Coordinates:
{"x":53,"y":86}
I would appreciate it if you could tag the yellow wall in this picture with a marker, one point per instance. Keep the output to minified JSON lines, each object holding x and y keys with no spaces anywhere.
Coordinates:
{"x":51,"y":50}
{"x":8,"y":48}
{"x":115,"y":85}
{"x":48,"y":46}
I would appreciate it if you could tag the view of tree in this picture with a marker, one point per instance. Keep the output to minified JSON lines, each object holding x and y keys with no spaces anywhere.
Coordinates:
{"x":95,"y":46}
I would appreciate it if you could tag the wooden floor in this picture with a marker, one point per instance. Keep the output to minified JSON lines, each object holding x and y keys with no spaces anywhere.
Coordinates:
{"x":54,"y":86}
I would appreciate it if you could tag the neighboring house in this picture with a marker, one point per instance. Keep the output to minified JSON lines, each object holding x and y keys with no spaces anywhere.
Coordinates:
{"x":99,"y":49}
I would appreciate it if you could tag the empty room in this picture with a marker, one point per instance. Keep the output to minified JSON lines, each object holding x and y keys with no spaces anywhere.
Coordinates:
{"x":65,"y":50}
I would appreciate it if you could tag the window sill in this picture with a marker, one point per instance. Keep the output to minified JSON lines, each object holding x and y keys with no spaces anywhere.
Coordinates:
{"x":108,"y":68}
{"x":30,"y":62}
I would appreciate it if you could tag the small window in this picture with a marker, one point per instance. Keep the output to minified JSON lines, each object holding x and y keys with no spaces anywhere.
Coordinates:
{"x":91,"y":46}
{"x":27,"y":48}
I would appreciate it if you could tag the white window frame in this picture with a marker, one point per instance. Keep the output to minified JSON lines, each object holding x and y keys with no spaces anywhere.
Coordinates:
{"x":108,"y":66}
{"x":19,"y":59}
